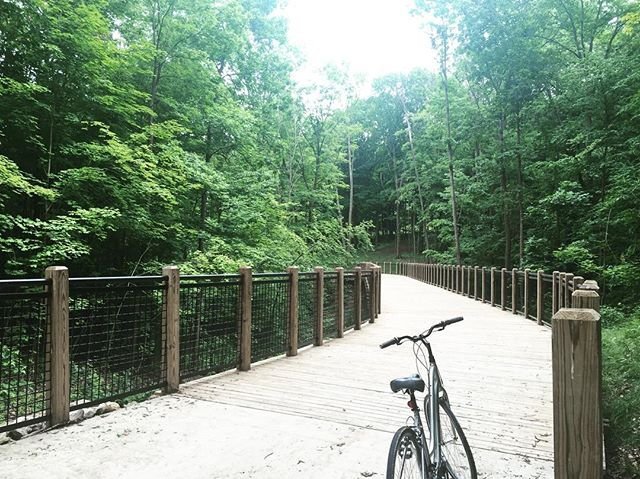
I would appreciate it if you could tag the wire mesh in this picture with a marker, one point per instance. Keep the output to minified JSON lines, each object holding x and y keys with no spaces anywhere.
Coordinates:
{"x":548,"y":298}
{"x":507,"y":290}
{"x":365,"y":288}
{"x":329,"y":320}
{"x":270,"y":313}
{"x":532,"y":300}
{"x":24,"y":358}
{"x":209,"y":312}
{"x":349,"y":301}
{"x":117,"y":338}
{"x":306,"y":308}
{"x":519,"y":290}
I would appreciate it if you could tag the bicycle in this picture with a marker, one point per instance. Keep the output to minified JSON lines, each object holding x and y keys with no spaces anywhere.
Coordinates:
{"x":440,"y":451}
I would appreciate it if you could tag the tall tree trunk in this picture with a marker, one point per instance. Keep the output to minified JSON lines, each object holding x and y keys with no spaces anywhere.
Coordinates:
{"x":204,"y":196}
{"x":423,"y":214}
{"x":454,"y":208}
{"x":506,"y":217}
{"x":350,"y":162}
{"x":520,"y":192}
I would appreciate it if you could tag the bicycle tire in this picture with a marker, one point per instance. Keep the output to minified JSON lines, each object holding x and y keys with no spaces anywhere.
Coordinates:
{"x":405,"y":455}
{"x":458,"y":459}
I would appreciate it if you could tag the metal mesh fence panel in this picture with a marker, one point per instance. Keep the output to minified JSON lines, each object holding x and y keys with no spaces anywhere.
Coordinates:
{"x":270,"y":313}
{"x":532,"y":301}
{"x":24,"y":359}
{"x":349,"y":297}
{"x":117,"y":338}
{"x":209,"y":311}
{"x":329,"y":323}
{"x":519,"y":286}
{"x":365,"y":288}
{"x":306,"y":308}
{"x":548,"y":299}
{"x":508,"y":286}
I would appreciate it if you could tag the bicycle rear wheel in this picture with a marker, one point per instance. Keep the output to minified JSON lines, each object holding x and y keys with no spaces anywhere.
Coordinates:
{"x":458,"y":460}
{"x":405,"y":455}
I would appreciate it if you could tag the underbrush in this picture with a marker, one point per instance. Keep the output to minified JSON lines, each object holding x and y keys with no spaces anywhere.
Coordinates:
{"x":621,"y":392}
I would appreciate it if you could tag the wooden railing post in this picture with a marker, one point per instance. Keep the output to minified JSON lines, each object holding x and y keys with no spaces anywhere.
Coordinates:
{"x":379,"y":294}
{"x":475,"y":282}
{"x":292,"y":339}
{"x":555,"y":279}
{"x":58,"y":305}
{"x":514,"y":290}
{"x":460,"y":274}
{"x":540,"y":297}
{"x":503,"y":288}
{"x":469,"y":269}
{"x":577,"y":412}
{"x":357,"y":298}
{"x":525,"y":306}
{"x":246,"y":292}
{"x":457,"y":273}
{"x":587,"y":296}
{"x":340,"y":302}
{"x":171,"y":319}
{"x":372,"y":297}
{"x":562,"y":284}
{"x":567,"y":291}
{"x":318,"y":330}
{"x":493,"y":286}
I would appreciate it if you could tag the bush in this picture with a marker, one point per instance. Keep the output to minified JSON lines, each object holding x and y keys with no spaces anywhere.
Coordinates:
{"x":621,"y":396}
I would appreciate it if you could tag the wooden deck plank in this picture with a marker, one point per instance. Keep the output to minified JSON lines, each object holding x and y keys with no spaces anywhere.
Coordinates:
{"x":496,"y":368}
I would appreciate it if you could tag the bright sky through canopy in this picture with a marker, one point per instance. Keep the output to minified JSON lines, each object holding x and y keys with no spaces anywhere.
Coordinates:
{"x":373,"y":37}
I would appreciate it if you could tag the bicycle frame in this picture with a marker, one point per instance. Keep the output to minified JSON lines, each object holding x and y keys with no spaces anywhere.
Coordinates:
{"x":432,"y":460}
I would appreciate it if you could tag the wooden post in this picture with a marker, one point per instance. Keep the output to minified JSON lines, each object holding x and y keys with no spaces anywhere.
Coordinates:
{"x":514,"y":290}
{"x":340,"y":302}
{"x":482,"y":289}
{"x":379,"y":294}
{"x":246,"y":292}
{"x":469,"y":269}
{"x":372,"y":298}
{"x":587,"y":296}
{"x":567,"y":291}
{"x":318,"y":330}
{"x":493,"y":287}
{"x":577,"y":282}
{"x":525,"y":307}
{"x":554,"y":292}
{"x":172,"y":327}
{"x":357,"y":298}
{"x":503,"y":288}
{"x":58,"y":305}
{"x":460,"y":274}
{"x":457,"y":284}
{"x":292,"y":339}
{"x":561,"y":293}
{"x":475,"y":282}
{"x":540,"y":298}
{"x":577,"y":413}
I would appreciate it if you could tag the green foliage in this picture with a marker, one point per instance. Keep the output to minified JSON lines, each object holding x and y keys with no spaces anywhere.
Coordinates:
{"x":621,"y":393}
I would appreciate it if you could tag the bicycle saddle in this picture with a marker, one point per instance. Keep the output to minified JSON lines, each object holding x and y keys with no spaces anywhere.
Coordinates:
{"x":412,"y":383}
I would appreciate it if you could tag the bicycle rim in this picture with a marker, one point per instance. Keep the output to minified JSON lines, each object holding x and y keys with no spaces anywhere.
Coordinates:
{"x":405,"y":457}
{"x":458,"y":460}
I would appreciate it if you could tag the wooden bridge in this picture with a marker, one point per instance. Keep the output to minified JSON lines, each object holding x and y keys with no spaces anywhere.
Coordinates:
{"x":328,"y":412}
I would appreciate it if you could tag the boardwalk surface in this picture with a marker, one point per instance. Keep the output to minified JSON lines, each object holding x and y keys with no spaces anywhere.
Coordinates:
{"x":327,"y":413}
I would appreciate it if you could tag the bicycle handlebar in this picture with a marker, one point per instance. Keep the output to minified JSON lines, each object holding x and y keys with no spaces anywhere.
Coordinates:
{"x":439,"y":327}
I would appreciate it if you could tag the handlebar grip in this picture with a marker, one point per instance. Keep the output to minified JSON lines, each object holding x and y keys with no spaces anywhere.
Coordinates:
{"x":388,"y":343}
{"x":452,"y":321}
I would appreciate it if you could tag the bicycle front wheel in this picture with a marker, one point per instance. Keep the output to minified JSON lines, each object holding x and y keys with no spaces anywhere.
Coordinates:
{"x":458,"y":460}
{"x":405,"y":455}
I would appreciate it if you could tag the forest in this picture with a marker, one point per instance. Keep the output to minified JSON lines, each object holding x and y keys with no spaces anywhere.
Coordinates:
{"x":139,"y":133}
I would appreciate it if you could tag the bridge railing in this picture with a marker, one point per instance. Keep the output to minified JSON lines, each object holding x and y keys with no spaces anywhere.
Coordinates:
{"x":534,"y":294}
{"x":67,"y":344}
{"x":570,"y":305}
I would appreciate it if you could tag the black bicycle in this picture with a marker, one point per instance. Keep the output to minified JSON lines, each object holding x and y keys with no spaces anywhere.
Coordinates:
{"x":440,"y":450}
